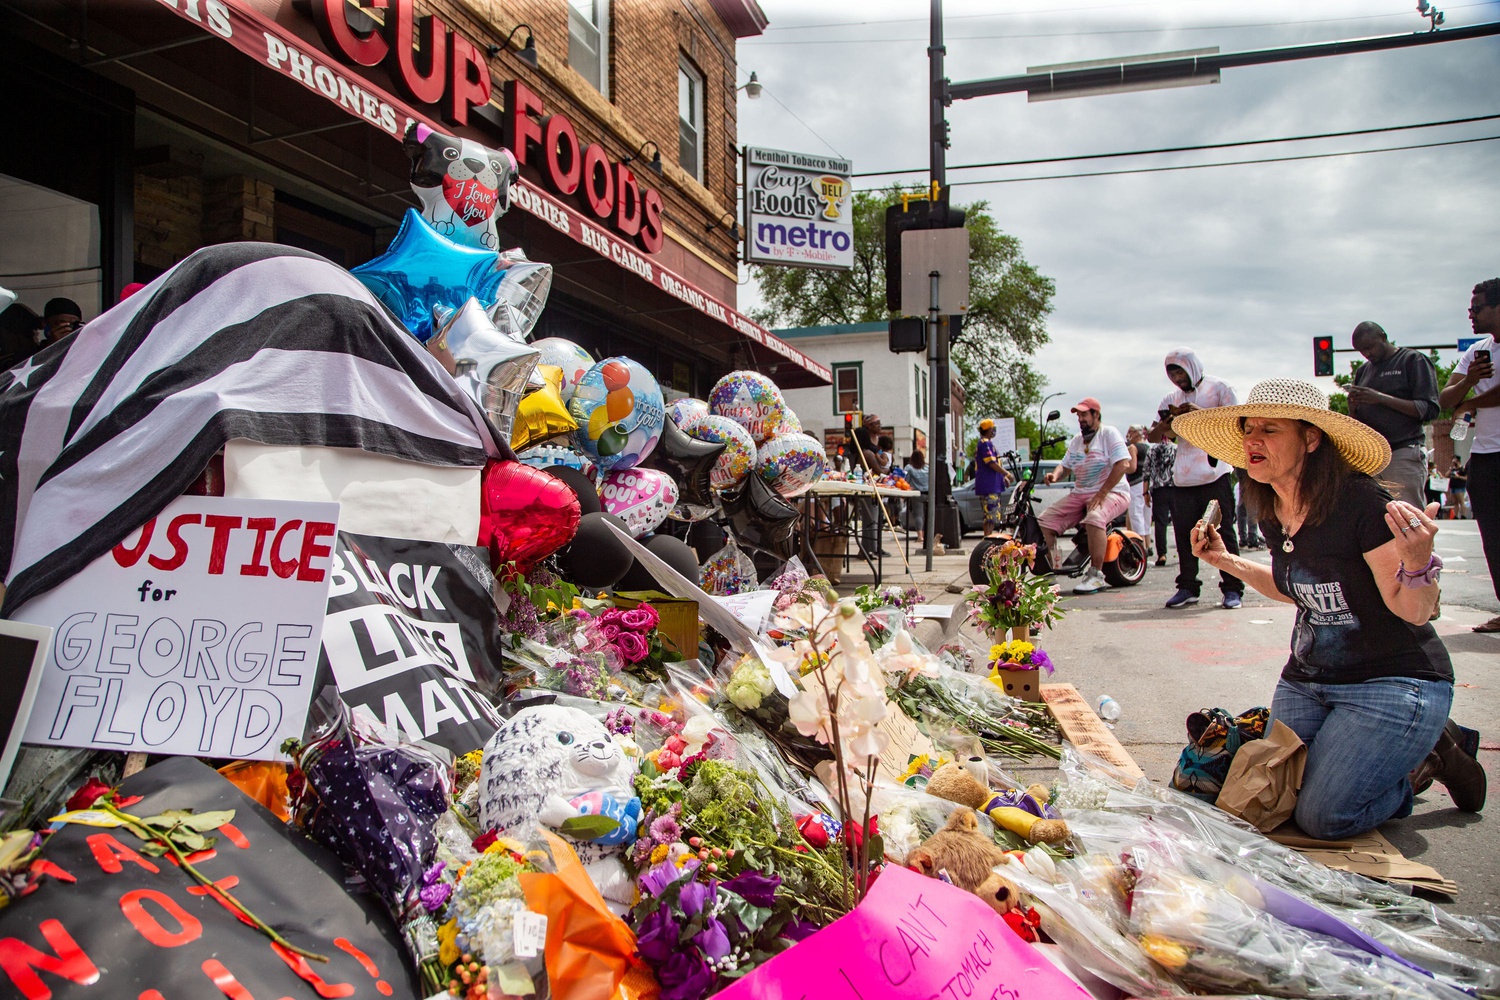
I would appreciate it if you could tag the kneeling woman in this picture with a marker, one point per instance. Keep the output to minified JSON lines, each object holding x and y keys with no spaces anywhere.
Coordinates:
{"x":1368,"y":684}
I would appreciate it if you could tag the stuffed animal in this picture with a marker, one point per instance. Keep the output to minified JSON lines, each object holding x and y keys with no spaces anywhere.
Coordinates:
{"x":463,"y":186}
{"x":968,"y":858}
{"x":1026,"y":814}
{"x":549,"y":764}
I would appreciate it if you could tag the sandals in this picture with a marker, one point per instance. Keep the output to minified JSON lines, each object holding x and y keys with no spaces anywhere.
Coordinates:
{"x":1493,"y":625}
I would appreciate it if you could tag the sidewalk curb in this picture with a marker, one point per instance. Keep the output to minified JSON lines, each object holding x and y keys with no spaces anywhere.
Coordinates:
{"x":933,"y":632}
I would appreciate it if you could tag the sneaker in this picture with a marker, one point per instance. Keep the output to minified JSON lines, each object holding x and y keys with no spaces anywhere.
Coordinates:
{"x":1091,"y":582}
{"x":1182,"y":599}
{"x":1232,"y":601}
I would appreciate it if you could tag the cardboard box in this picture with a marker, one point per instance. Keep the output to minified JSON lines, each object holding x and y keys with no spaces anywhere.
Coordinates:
{"x":830,"y":550}
{"x":679,"y":618}
{"x":1023,"y":684}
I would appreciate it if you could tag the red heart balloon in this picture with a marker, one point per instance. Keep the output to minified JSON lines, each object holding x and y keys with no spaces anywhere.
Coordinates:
{"x":525,"y":514}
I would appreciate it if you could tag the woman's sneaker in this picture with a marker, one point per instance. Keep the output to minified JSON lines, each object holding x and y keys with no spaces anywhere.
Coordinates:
{"x":1091,"y":582}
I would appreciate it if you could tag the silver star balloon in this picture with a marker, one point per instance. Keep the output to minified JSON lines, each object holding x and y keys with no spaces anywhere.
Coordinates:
{"x":492,"y":368}
{"x":522,"y":294}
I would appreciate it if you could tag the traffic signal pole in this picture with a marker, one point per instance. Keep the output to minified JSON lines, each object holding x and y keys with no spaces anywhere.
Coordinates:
{"x":941,"y":516}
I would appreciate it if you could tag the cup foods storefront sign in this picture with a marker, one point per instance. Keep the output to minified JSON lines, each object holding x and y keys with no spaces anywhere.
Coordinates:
{"x":798,"y":209}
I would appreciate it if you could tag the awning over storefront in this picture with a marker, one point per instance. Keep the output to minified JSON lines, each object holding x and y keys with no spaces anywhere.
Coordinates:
{"x":277,"y":49}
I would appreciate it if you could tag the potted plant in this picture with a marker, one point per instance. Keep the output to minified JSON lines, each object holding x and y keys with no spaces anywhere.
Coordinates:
{"x":1015,"y":600}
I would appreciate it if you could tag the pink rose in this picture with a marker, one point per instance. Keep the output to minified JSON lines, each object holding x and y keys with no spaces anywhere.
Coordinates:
{"x":611,"y":632}
{"x":640,"y":619}
{"x":632,"y":646}
{"x":611,"y":617}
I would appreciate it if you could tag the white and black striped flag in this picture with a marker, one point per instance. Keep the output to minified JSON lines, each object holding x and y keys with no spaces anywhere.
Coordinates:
{"x":243,"y":340}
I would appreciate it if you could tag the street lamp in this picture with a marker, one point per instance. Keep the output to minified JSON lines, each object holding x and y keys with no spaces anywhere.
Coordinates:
{"x":1041,"y":425}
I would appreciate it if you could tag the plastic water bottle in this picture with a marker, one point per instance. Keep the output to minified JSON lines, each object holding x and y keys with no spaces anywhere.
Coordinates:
{"x":1107,"y":708}
{"x":1460,"y":429}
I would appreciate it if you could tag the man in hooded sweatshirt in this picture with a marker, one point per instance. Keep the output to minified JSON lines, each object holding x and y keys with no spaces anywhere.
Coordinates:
{"x":1197,"y":478}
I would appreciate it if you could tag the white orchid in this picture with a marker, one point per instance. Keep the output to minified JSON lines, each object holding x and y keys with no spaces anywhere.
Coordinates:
{"x":901,"y":658}
{"x":809,"y":712}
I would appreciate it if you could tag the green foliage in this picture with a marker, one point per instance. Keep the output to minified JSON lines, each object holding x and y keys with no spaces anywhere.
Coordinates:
{"x":1008,"y":303}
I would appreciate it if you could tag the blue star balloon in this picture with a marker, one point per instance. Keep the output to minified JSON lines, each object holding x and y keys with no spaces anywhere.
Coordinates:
{"x":422,"y":269}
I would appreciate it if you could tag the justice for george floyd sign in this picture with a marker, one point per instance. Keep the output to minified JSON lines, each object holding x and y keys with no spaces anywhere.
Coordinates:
{"x":197,"y":635}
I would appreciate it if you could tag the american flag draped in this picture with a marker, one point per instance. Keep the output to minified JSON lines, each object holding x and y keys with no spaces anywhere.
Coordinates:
{"x":243,"y":340}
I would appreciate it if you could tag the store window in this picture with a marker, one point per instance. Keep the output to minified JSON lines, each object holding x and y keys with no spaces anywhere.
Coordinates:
{"x":588,"y":41}
{"x":847,"y":390}
{"x":690,"y":129}
{"x":49,"y":248}
{"x":916,"y":387}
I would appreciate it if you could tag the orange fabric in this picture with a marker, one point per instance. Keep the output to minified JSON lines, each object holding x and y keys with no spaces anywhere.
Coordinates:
{"x":262,"y":780}
{"x":590,"y":952}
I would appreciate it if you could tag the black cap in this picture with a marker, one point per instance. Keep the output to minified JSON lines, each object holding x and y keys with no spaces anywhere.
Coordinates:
{"x":61,"y":307}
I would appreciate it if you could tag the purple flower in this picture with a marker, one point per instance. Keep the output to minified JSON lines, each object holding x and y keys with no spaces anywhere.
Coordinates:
{"x":755,"y":888}
{"x":695,"y":896}
{"x":657,"y":879}
{"x":434,"y":873}
{"x":800,"y":930}
{"x":685,"y":976}
{"x":434,"y":896}
{"x":713,"y":939}
{"x":631,"y":646}
{"x":664,"y":830}
{"x":1041,"y":660}
{"x":656,"y":937}
{"x":640,"y":619}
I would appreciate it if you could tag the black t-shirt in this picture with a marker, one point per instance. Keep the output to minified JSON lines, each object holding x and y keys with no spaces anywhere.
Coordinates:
{"x":1142,"y":450}
{"x":1405,"y":375}
{"x":1344,"y":632}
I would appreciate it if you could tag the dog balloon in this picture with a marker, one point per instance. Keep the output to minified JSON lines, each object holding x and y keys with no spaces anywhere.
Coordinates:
{"x":463,"y":185}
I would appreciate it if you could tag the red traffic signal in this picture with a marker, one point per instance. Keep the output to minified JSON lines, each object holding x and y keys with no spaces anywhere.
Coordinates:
{"x":1322,"y":355}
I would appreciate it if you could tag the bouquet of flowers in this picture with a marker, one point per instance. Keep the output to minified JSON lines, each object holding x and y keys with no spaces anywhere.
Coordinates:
{"x":1014,"y":597}
{"x":1017,"y":655}
{"x":699,"y":934}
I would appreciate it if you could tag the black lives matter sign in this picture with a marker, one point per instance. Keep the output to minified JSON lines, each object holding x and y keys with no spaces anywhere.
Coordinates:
{"x":412,"y":636}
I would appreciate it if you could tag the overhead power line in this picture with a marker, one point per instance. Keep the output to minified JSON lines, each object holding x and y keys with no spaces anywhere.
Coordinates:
{"x":1187,"y":149}
{"x":1225,"y":163}
{"x":1157,"y":29}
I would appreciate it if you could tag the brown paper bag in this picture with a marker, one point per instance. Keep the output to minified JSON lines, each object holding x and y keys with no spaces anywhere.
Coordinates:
{"x":1264,"y":779}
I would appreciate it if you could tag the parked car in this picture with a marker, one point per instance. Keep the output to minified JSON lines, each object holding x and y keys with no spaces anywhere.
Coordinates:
{"x":971,"y":509}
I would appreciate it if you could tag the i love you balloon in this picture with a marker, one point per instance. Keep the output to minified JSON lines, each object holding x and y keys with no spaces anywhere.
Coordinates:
{"x":642,"y":498}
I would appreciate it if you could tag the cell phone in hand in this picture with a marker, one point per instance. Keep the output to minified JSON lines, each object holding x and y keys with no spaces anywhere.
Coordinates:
{"x":1483,"y":357}
{"x":1211,"y":514}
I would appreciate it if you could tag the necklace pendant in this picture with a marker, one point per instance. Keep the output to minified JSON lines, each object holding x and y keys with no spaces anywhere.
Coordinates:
{"x":1287,"y":546}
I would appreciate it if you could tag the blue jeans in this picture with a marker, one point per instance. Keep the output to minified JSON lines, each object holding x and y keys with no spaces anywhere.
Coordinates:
{"x":1362,"y":741}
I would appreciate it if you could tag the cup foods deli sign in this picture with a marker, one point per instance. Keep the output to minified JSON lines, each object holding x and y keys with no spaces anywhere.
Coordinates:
{"x":798,"y":209}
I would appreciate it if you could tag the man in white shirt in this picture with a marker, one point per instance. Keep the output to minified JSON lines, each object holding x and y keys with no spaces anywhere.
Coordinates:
{"x":1197,"y":478}
{"x":1476,"y":371}
{"x":1098,"y":459}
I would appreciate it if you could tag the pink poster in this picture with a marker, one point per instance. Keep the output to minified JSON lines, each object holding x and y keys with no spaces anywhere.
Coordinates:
{"x":912,"y":937}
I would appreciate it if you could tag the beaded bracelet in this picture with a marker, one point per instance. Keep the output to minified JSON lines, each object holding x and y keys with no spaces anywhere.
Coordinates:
{"x":1425,"y":577}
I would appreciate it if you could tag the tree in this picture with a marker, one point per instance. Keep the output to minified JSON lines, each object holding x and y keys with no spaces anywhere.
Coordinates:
{"x":1008,"y":303}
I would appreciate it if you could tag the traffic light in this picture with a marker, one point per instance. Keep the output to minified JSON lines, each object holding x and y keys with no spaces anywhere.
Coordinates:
{"x":1322,"y":355}
{"x":914,"y":214}
{"x":908,"y":335}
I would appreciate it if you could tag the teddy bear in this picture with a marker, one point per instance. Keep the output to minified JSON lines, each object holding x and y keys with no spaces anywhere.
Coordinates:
{"x":968,"y":857}
{"x":1026,"y":814}
{"x":549,"y":764}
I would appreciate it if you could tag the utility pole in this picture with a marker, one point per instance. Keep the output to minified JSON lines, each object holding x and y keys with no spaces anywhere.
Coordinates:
{"x":942,"y":518}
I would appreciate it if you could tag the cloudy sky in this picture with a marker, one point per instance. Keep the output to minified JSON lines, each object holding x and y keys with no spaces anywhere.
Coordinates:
{"x":1243,"y":263}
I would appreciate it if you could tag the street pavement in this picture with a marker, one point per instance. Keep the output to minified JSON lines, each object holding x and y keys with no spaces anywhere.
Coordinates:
{"x":1160,"y":665}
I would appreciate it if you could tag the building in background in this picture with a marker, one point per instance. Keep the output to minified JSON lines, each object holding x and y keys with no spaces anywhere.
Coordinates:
{"x":867,"y":378}
{"x":141,"y":131}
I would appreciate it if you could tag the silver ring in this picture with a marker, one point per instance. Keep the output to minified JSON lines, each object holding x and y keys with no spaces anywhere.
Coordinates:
{"x":1414,"y":522}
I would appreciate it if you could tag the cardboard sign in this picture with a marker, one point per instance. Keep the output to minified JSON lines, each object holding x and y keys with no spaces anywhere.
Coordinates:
{"x":23,"y":653}
{"x":109,"y":921}
{"x":413,"y":637}
{"x":912,"y":937}
{"x":198,"y":634}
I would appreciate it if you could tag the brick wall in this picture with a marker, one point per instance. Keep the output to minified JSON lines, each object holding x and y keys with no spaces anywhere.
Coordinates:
{"x":238,"y":208}
{"x":168,"y":219}
{"x":646,"y":38}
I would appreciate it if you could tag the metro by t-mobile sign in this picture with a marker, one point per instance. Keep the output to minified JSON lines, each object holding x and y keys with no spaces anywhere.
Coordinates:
{"x":798,"y":209}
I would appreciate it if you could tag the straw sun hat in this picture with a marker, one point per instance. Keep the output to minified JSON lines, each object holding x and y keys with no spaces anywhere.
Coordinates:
{"x":1217,"y":430}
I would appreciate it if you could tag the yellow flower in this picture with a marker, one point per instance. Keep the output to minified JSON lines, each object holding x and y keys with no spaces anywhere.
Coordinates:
{"x":659,"y":854}
{"x":996,"y":651}
{"x":447,"y":943}
{"x":1166,"y":953}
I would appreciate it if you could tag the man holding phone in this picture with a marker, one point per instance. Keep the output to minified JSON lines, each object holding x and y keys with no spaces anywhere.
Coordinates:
{"x":1476,"y":372}
{"x":1395,"y":391}
{"x":1197,"y":477}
